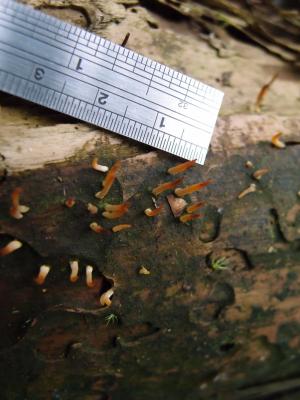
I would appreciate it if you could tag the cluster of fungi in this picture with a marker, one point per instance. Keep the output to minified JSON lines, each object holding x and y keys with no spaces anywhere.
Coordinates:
{"x":110,"y":212}
{"x":185,"y":213}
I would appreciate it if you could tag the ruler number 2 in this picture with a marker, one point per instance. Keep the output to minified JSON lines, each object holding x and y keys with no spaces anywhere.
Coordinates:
{"x":102,"y":97}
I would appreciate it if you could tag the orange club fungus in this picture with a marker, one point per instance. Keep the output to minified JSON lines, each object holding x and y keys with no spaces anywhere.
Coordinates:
{"x":121,"y":227}
{"x":153,"y":212}
{"x":96,"y":227}
{"x":189,"y":217}
{"x":180,"y":192}
{"x":113,"y":211}
{"x":166,"y":186}
{"x":108,"y":180}
{"x":181,"y":167}
{"x":194,"y":207}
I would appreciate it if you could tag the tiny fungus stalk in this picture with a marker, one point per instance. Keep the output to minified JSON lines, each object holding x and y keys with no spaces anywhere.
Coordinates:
{"x":105,"y":298}
{"x":89,"y":276}
{"x":250,"y":189}
{"x":42,"y":275}
{"x":74,"y":271}
{"x":10,"y":247}
{"x":98,"y":167}
{"x":17,"y":210}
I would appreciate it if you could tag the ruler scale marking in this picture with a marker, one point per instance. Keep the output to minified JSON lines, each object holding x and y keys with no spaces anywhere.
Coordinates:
{"x":155,"y":104}
{"x":57,"y":67}
{"x":29,"y":95}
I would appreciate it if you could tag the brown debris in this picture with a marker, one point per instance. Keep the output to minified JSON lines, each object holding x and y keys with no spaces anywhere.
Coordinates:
{"x":125,"y":40}
{"x":176,"y":204}
{"x":144,"y":271}
{"x":70,"y":202}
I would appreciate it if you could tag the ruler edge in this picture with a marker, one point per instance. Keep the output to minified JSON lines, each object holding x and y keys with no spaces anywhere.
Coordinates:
{"x":58,"y":20}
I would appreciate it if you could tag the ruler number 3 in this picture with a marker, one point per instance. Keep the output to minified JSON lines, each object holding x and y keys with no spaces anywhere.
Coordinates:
{"x":101,"y":99}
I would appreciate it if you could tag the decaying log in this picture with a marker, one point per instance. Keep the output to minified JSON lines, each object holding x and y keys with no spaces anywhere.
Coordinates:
{"x":217,"y":317}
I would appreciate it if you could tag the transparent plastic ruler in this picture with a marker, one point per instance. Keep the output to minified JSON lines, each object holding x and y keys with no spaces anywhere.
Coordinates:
{"x":73,"y":71}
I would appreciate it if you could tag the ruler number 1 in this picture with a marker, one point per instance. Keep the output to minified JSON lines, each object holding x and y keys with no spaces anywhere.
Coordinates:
{"x":102,"y":97}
